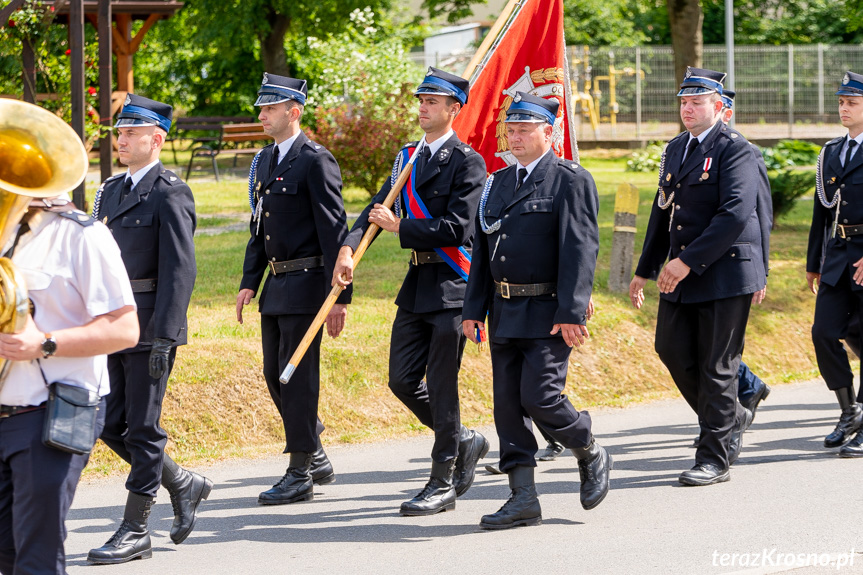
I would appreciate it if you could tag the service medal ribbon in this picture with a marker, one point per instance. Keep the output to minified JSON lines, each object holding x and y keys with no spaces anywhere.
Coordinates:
{"x":707,"y":163}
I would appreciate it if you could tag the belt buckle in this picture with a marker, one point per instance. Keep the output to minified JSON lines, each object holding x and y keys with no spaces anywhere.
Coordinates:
{"x":272,"y":267}
{"x":504,"y":290}
{"x":414,"y":258}
{"x":841,"y":231}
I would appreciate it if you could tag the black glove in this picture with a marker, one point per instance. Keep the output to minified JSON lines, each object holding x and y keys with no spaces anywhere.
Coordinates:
{"x":159,"y":357}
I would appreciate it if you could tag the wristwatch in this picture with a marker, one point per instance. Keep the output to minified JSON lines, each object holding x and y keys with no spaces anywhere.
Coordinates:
{"x":49,"y":346}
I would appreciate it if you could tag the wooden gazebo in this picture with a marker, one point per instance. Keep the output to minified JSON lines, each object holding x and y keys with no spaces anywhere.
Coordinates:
{"x":113,"y":21}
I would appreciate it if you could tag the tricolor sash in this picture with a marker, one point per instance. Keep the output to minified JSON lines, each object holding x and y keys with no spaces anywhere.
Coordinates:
{"x":456,"y":257}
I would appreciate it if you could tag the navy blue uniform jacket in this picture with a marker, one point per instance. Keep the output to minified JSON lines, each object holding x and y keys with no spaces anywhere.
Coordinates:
{"x":838,"y":253}
{"x":303,"y":216}
{"x":548,"y":234}
{"x":715,"y":230}
{"x":450,"y":186}
{"x":155,"y":227}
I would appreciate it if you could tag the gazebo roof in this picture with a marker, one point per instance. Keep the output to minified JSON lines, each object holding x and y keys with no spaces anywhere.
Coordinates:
{"x":137,"y":9}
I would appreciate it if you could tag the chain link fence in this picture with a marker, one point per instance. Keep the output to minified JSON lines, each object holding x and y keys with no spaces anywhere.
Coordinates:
{"x":782,"y":91}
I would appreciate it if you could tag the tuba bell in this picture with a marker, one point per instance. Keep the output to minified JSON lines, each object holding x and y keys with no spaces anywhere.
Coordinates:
{"x":40,"y":157}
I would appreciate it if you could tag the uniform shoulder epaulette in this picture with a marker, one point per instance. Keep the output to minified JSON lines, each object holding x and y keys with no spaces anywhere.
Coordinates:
{"x":111,"y":179}
{"x":410,"y":145}
{"x":314,"y":146}
{"x":76,"y":216}
{"x":678,"y":136}
{"x":570,"y":164}
{"x":835,"y":141}
{"x":496,"y":172}
{"x":170,"y":177}
{"x":465,"y":149}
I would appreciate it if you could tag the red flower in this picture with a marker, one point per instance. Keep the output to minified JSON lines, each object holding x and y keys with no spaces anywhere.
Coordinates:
{"x":69,"y":52}
{"x":52,"y":8}
{"x":11,"y":23}
{"x":91,"y":90}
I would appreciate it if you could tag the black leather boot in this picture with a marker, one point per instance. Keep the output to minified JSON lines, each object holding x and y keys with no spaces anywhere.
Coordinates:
{"x":594,"y":464}
{"x":850,"y":420}
{"x":295,"y":485}
{"x":522,"y":507}
{"x":321,"y":470}
{"x":853,"y":448}
{"x":736,"y":443}
{"x":438,"y":494}
{"x":470,"y":450}
{"x":131,"y":540}
{"x":187,"y":489}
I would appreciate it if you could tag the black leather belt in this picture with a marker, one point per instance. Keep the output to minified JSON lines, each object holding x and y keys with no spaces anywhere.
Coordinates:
{"x":846,"y":230}
{"x":139,"y":286}
{"x":294,"y":265}
{"x":508,"y":290}
{"x":418,"y":258}
{"x":10,"y":410}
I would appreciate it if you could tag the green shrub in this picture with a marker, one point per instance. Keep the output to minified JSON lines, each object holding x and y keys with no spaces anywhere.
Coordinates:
{"x":646,"y":160}
{"x":788,"y":153}
{"x":786,"y":185}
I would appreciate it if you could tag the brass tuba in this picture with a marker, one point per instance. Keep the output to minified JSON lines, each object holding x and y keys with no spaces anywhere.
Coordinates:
{"x":40,"y":157}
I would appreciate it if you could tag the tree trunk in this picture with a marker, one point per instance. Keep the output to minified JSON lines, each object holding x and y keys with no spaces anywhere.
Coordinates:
{"x":273,"y":46}
{"x":685,"y":19}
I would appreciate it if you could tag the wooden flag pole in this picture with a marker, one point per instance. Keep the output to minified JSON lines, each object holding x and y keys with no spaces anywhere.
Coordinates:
{"x":489,"y":39}
{"x":372,"y":230}
{"x":370,"y":234}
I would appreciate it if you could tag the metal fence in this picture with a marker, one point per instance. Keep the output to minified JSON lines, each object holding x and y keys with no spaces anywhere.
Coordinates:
{"x":782,"y":91}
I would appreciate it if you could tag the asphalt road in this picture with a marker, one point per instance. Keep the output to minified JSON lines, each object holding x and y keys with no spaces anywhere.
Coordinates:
{"x":790,"y":505}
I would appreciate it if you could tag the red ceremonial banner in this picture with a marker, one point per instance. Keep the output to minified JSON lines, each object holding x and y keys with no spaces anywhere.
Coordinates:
{"x":530,"y":57}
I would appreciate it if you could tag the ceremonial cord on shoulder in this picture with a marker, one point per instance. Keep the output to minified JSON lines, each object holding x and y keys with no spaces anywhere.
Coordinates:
{"x":397,"y":168}
{"x":97,"y":202}
{"x":489,"y":229}
{"x":256,"y":209}
{"x":822,"y":195}
{"x":660,"y":200}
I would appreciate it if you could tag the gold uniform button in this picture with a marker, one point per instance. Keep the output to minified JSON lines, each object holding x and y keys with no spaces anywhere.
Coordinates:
{"x":435,"y":192}
{"x":844,"y":221}
{"x":503,"y":236}
{"x":842,"y":187}
{"x":506,"y":280}
{"x":267,"y":192}
{"x":274,"y":258}
{"x":678,"y":186}
{"x":268,"y":236}
{"x":679,"y":228}
{"x":844,"y":203}
{"x":266,"y":214}
{"x":137,"y":221}
{"x":734,"y":255}
{"x":284,"y":189}
{"x":682,"y":247}
{"x":503,"y":258}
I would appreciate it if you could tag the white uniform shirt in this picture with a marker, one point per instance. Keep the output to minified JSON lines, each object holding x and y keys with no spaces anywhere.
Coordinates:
{"x":73,"y":274}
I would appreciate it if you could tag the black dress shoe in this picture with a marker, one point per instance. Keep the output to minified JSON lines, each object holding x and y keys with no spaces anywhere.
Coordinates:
{"x":853,"y":448}
{"x":552,"y":451}
{"x":321,"y":469}
{"x":594,"y":465}
{"x":494,"y":468}
{"x":522,"y":508}
{"x":704,"y":474}
{"x":736,"y":443}
{"x":187,"y":490}
{"x":849,"y":422}
{"x":132,"y":539}
{"x":438,"y":494}
{"x":470,"y":451}
{"x":760,"y":395}
{"x":696,"y":441}
{"x":295,"y":485}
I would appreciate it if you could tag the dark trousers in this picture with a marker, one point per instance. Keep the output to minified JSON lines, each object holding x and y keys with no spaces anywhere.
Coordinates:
{"x":37,"y":484}
{"x":425,"y":357}
{"x":747,"y":382}
{"x":132,"y":428}
{"x":701,"y":345}
{"x":836,"y":307}
{"x":529,"y":376}
{"x":297,"y":400}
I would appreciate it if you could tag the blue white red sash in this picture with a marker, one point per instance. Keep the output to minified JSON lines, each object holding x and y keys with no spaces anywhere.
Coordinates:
{"x":455,"y":256}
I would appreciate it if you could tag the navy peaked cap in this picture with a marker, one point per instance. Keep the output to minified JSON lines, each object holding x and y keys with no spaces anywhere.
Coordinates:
{"x":529,"y":108}
{"x":277,"y":89}
{"x":728,"y":98}
{"x":701,"y":81}
{"x":442,"y":83}
{"x":141,"y":111}
{"x":852,"y":85}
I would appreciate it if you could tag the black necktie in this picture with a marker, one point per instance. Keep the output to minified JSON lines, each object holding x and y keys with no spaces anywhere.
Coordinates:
{"x":522,"y":176}
{"x":126,"y":190}
{"x":274,"y":160}
{"x":693,"y":143}
{"x":849,"y":151}
{"x":425,"y":157}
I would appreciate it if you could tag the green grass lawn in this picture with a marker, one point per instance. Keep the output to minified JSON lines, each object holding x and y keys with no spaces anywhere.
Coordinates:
{"x":217,"y":404}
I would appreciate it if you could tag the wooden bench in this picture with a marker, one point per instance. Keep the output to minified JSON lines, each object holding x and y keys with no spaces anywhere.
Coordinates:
{"x":200,"y":130}
{"x":231,"y":138}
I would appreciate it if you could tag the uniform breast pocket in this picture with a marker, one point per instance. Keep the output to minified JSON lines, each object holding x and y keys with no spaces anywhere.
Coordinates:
{"x":137,"y":234}
{"x":283,"y":197}
{"x":436,"y":199}
{"x":738,"y":252}
{"x":857,"y":177}
{"x":703,"y":190}
{"x":536,"y":216}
